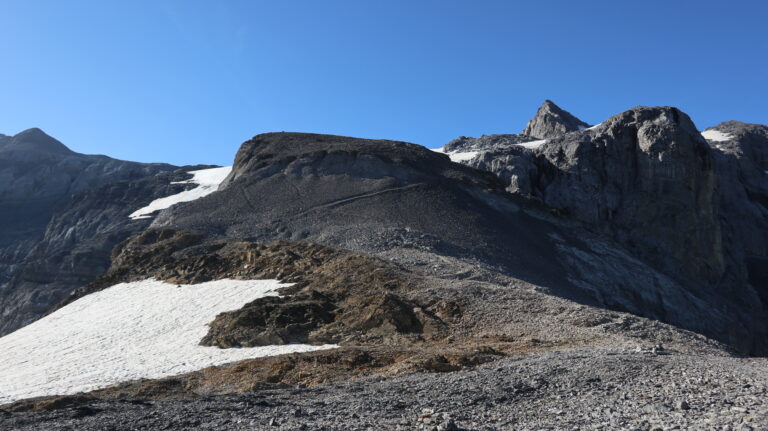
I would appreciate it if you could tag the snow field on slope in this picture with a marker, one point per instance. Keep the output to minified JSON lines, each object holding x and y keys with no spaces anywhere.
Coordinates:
{"x":208,"y":181}
{"x":145,"y":329}
{"x":533,"y":144}
{"x":716,"y":135}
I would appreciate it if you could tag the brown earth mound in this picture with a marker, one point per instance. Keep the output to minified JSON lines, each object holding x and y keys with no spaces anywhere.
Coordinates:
{"x":336,"y":297}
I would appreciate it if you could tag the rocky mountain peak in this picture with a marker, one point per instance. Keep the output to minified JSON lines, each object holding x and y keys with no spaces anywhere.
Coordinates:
{"x":552,"y":121}
{"x":35,"y":140}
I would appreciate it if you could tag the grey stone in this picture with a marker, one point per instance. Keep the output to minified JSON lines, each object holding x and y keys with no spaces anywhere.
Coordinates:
{"x":552,"y":121}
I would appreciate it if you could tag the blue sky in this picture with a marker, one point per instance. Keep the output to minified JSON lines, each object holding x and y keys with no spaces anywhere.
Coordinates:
{"x":188,"y":81}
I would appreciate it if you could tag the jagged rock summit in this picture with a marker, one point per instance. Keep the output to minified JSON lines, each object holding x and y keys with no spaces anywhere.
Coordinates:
{"x":551,"y":121}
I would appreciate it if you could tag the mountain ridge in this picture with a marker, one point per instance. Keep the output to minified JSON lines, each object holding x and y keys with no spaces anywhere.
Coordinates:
{"x":575,"y":247}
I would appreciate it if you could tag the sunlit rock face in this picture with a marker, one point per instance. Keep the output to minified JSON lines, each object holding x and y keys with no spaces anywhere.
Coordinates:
{"x":552,"y":121}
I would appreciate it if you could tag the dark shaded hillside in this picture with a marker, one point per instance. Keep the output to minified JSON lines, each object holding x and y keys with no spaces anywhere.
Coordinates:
{"x":56,"y":232}
{"x":369,"y":195}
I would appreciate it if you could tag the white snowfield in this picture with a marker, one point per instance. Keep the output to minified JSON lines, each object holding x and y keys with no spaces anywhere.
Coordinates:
{"x":457,"y":156}
{"x":462,"y":156}
{"x":716,"y":135}
{"x":533,"y":144}
{"x":594,"y":127}
{"x":145,"y":329}
{"x":208,"y":181}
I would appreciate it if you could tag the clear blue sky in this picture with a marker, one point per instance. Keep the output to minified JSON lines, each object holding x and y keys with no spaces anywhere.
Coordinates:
{"x":188,"y":81}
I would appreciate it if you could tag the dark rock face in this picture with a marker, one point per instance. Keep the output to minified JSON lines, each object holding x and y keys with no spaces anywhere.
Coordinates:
{"x":62,"y":212}
{"x":626,"y":215}
{"x":551,"y":121}
{"x":741,"y":163}
{"x":647,"y":179}
{"x":78,"y":243}
{"x":645,"y":175}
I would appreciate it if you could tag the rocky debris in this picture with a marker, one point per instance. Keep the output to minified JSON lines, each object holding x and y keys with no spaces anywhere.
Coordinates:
{"x":459,"y":323}
{"x":576,"y":389}
{"x":55,"y":232}
{"x":551,"y":121}
{"x":430,"y":420}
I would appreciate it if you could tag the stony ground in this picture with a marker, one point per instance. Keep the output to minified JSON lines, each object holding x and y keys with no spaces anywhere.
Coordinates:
{"x":507,"y":356}
{"x":562,"y":390}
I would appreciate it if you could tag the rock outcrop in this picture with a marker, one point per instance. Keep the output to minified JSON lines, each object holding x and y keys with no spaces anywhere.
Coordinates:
{"x":645,"y":176}
{"x":648,"y":180}
{"x":551,"y":121}
{"x":740,"y":153}
{"x":62,"y":212}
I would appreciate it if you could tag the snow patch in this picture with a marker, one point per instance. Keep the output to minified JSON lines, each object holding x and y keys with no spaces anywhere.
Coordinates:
{"x":208,"y":181}
{"x":533,"y":144}
{"x":463,"y":156}
{"x":595,"y":126}
{"x":716,"y":135}
{"x":145,"y":329}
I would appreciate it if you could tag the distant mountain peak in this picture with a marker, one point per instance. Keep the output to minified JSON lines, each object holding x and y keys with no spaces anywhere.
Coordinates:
{"x":36,"y":140}
{"x":552,"y":121}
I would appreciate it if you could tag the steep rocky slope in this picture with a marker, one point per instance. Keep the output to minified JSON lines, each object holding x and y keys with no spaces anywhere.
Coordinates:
{"x":740,"y":153}
{"x":62,"y":213}
{"x":37,"y":173}
{"x":393,"y":198}
{"x":647,"y":179}
{"x":371,"y":196}
{"x":77,"y":244}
